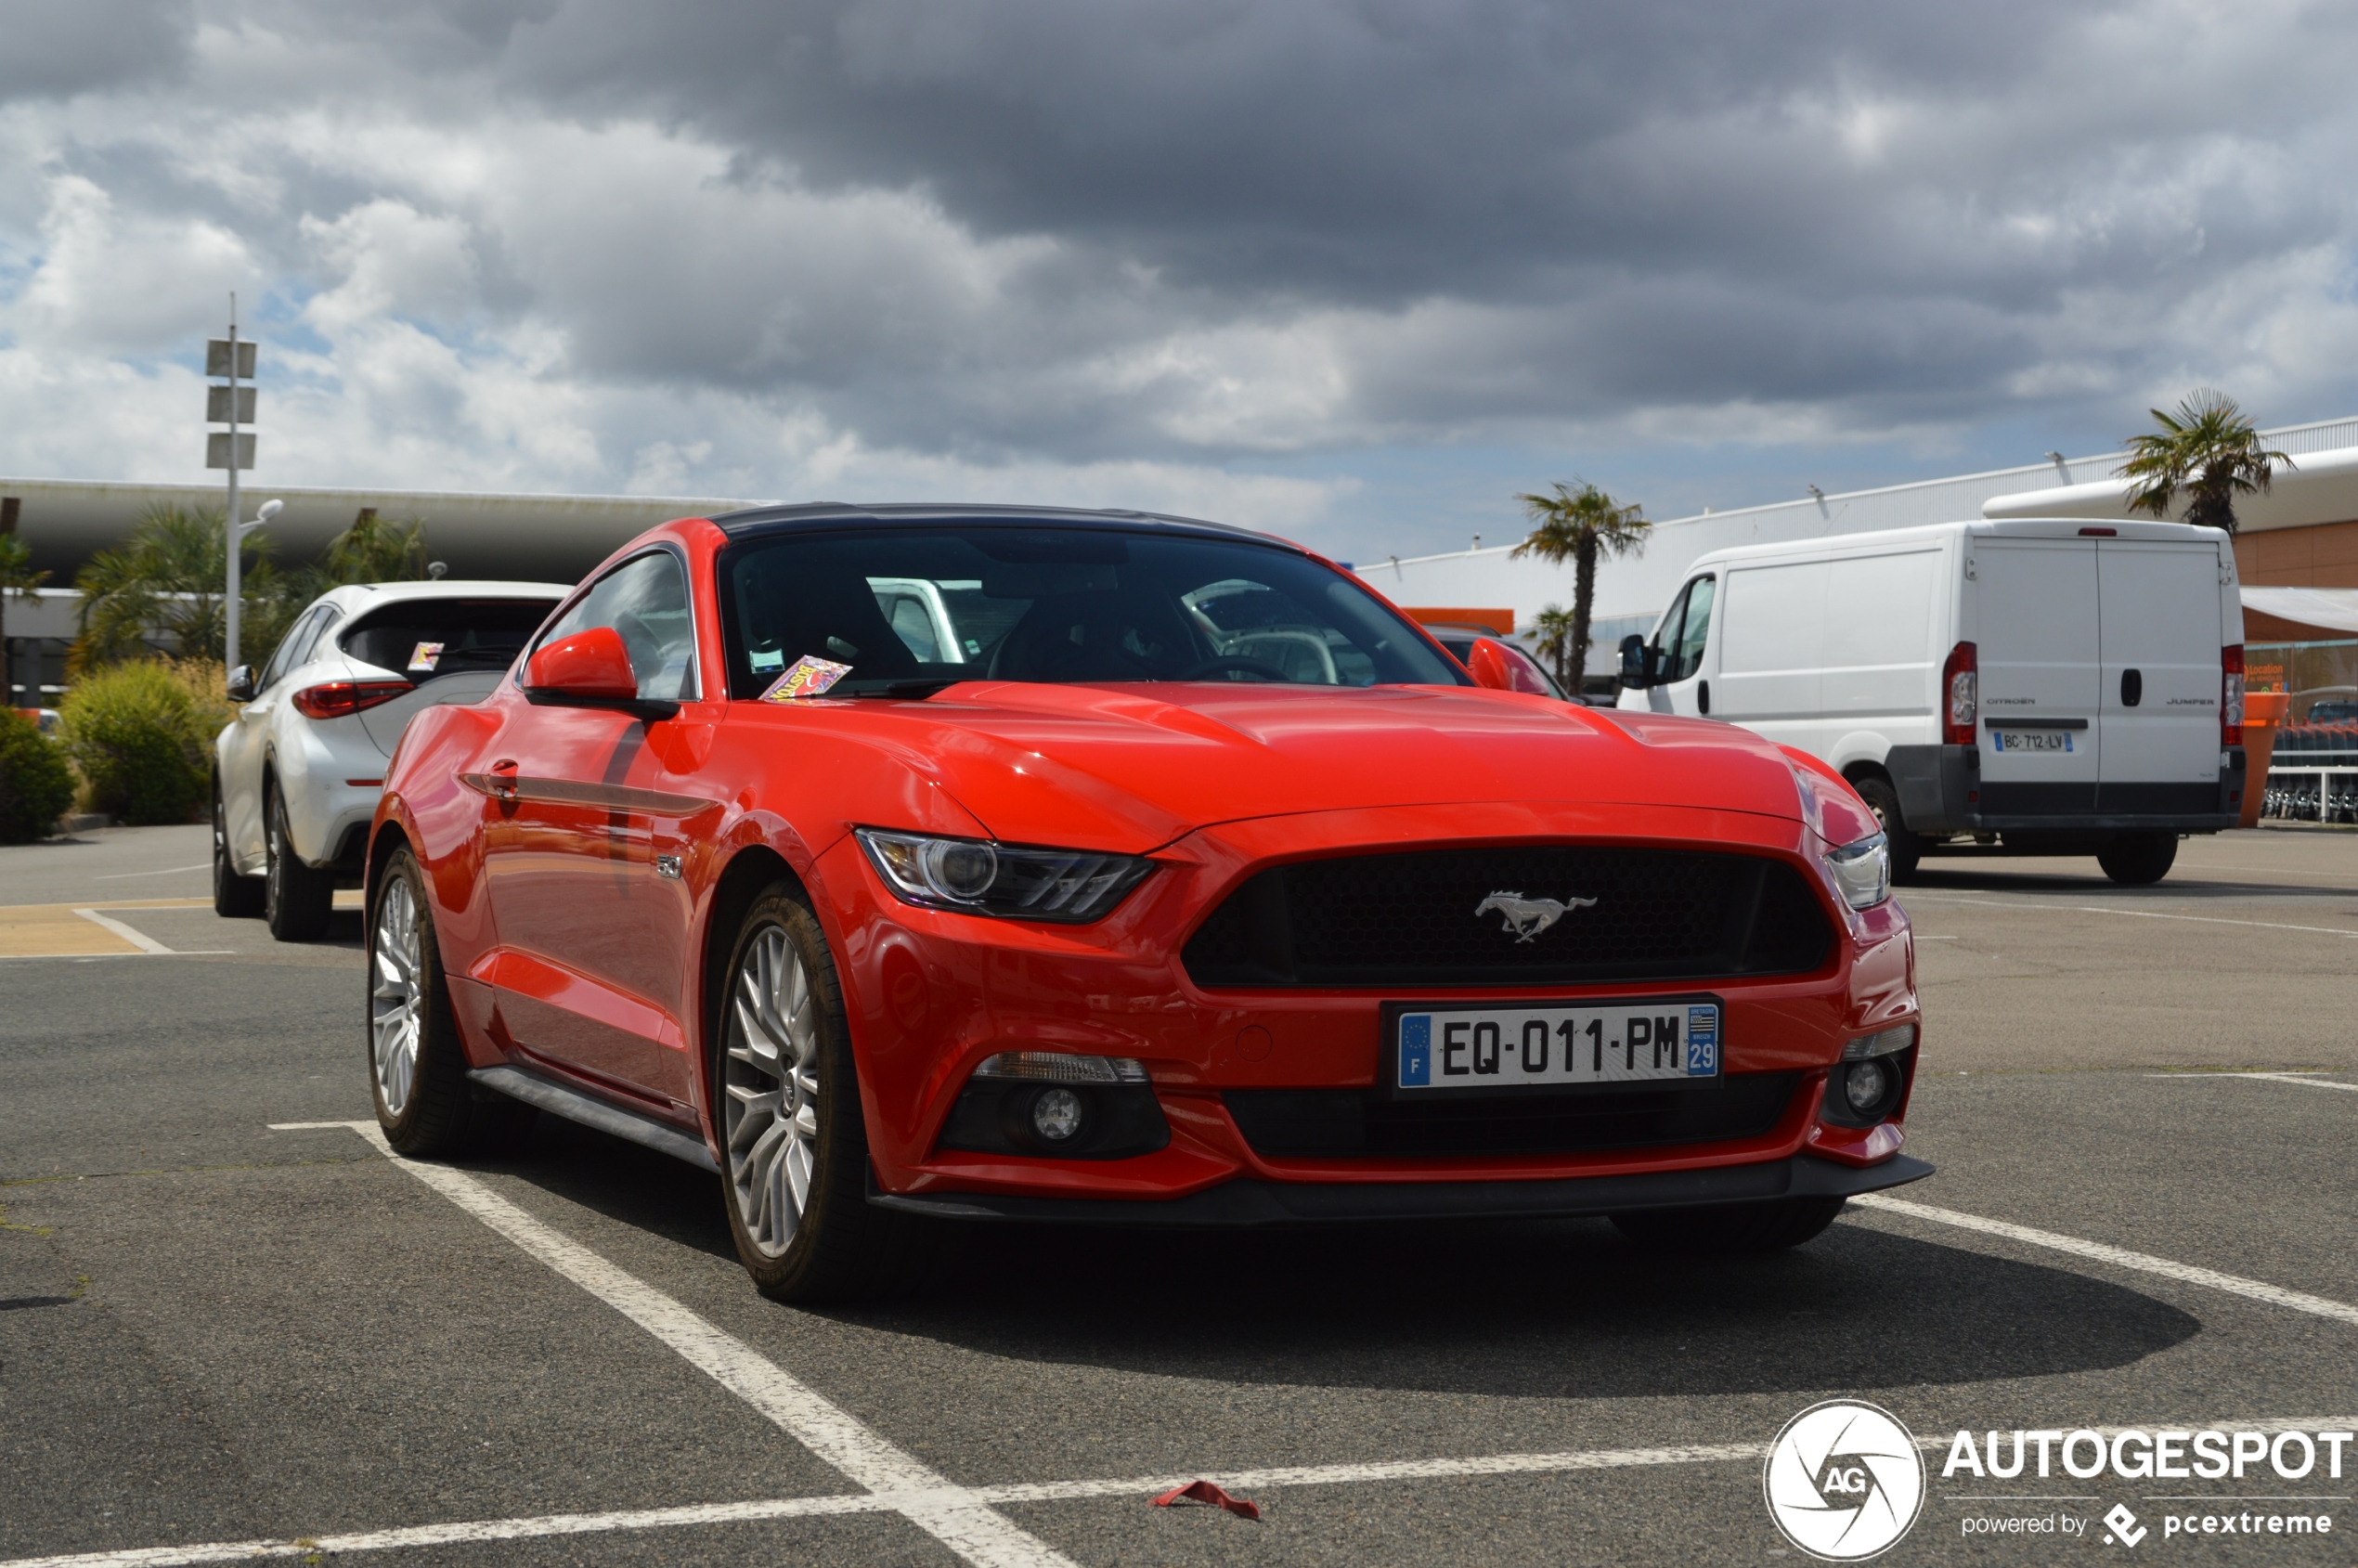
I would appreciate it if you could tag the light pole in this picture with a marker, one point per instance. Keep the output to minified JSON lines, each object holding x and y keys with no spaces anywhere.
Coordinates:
{"x":232,"y":406}
{"x":236,"y":546}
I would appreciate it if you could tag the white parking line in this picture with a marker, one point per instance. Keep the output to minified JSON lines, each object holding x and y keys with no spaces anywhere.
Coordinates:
{"x":2134,"y":914}
{"x":1018,"y":1492}
{"x":168,"y":870}
{"x":2272,"y":1077}
{"x":886,"y":1502}
{"x":139,"y":939}
{"x":951,"y":1514}
{"x":2119,"y":1257}
{"x":85,"y":957}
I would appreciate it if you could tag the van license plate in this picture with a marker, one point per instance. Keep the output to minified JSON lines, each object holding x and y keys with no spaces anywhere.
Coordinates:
{"x":1519,"y":1046}
{"x":2030,"y":739}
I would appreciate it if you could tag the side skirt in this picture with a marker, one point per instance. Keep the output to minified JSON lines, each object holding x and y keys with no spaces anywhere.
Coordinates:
{"x":560,"y":1099}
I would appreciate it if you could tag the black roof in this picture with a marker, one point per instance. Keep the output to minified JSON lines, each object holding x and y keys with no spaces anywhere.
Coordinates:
{"x":754,"y":522}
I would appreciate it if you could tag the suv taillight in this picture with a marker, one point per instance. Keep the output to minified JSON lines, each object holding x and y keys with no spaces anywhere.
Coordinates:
{"x":2231,"y":695}
{"x":1960,"y":696}
{"x":340,"y":699}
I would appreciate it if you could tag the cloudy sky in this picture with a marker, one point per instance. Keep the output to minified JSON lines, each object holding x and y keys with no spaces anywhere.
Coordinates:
{"x":1352,"y":271}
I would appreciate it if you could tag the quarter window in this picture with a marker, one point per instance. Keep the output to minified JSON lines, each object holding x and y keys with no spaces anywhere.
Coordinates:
{"x":293,"y":646}
{"x":646,"y":599}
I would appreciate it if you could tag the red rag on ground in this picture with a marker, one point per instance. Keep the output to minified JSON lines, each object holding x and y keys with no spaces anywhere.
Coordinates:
{"x":1205,"y":1492}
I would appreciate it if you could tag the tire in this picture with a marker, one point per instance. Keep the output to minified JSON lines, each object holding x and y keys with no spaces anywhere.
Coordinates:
{"x":296,"y":900}
{"x":786,"y":1098}
{"x":2139,"y":859}
{"x":1906,"y":848}
{"x":235,"y":897}
{"x":417,"y":1068}
{"x":1738,"y":1229}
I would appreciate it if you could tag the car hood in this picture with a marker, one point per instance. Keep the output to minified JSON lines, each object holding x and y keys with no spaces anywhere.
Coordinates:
{"x":1139,"y":766}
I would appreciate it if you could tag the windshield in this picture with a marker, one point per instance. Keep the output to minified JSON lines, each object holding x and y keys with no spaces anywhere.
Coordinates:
{"x":909,"y":609}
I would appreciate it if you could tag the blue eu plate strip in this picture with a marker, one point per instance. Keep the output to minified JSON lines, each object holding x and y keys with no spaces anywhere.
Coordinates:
{"x":1416,"y":1051}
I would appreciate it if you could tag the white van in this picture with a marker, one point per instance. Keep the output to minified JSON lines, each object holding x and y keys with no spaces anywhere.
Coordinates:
{"x":2039,"y":687}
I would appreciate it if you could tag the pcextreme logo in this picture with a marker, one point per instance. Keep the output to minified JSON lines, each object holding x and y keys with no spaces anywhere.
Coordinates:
{"x":1843,"y":1481}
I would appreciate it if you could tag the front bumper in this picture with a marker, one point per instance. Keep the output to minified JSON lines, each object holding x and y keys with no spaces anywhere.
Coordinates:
{"x":1941,"y":791}
{"x":931,"y":994}
{"x":1247,"y":1202}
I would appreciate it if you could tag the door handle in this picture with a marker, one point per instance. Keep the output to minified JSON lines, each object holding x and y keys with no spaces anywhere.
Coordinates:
{"x":501,"y":779}
{"x":2133,"y":688}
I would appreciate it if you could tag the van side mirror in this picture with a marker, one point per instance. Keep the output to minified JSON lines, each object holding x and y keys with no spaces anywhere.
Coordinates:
{"x":240,"y":686}
{"x":1638,"y":663}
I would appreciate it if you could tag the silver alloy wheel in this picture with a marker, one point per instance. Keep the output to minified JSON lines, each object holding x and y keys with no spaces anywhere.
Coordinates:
{"x":396,"y":1003}
{"x":770,"y":1082}
{"x":276,"y":849}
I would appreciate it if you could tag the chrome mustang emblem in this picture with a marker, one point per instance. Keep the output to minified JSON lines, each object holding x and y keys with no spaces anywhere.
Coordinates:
{"x":1527,"y":917}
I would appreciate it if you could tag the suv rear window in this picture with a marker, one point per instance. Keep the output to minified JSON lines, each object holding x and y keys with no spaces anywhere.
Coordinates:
{"x":426,"y":637}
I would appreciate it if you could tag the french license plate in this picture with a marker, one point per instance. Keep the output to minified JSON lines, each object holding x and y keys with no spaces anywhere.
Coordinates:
{"x":1439,"y":1049}
{"x":2030,"y":739}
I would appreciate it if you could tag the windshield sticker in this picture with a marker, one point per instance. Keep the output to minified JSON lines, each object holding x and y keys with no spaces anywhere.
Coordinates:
{"x":806,"y":677}
{"x":425,"y":658}
{"x":764,"y":659}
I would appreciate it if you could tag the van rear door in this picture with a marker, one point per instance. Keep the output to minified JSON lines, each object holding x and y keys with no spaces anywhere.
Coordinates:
{"x":2035,"y":631}
{"x":2160,"y":637}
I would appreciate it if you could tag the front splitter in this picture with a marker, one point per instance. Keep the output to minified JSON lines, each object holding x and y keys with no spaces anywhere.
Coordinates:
{"x":1249,"y":1203}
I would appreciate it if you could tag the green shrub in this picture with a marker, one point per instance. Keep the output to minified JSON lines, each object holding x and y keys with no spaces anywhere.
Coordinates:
{"x":141,"y":734}
{"x":35,"y":784}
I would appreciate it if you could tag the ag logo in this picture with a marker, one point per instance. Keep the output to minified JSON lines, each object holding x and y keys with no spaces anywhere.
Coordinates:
{"x":1843,"y":1481}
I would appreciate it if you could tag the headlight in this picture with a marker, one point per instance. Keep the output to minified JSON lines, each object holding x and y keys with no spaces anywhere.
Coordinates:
{"x":1862,"y":870}
{"x":980,"y":877}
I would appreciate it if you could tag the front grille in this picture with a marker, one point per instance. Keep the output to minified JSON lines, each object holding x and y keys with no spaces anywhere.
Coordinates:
{"x":1363,"y":1124}
{"x":1406,"y":921}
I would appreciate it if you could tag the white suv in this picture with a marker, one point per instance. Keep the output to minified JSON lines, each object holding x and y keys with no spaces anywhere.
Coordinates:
{"x":297,"y":773}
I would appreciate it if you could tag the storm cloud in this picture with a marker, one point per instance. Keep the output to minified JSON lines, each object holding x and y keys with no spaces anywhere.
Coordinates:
{"x":1247,"y":259}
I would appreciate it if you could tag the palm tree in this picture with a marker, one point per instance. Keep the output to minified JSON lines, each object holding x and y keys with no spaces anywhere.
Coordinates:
{"x":377,"y":550}
{"x":168,"y":580}
{"x":2210,"y":450}
{"x":1552,"y":626}
{"x":17,"y":577}
{"x":1578,"y":526}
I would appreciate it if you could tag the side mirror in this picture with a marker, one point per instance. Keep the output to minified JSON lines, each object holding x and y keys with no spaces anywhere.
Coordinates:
{"x":1637,"y":663}
{"x":240,"y":684}
{"x":1503,"y":668}
{"x":589,"y":669}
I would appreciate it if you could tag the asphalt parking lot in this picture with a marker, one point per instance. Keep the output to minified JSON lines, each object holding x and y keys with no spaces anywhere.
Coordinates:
{"x":228,"y":1323}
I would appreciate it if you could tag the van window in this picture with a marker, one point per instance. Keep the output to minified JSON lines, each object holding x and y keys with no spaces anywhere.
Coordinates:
{"x":1686,"y":630}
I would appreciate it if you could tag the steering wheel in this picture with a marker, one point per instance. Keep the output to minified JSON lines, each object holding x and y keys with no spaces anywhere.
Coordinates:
{"x":1250,"y":667}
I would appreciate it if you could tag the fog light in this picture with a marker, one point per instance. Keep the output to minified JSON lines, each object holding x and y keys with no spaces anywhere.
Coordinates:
{"x":1056,"y":1115}
{"x":1863,"y":1085}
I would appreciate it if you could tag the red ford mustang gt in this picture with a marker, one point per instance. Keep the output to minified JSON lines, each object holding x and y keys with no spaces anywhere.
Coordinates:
{"x":1015,"y":864}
